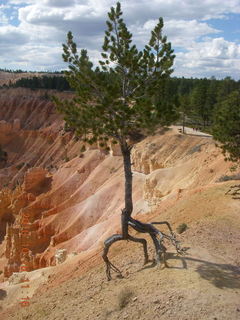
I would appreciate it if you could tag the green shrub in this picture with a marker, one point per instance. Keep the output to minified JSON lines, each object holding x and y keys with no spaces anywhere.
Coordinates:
{"x":181,"y":228}
{"x":3,"y":155}
{"x":83,"y":148}
{"x":112,"y":170}
{"x":20,"y":165}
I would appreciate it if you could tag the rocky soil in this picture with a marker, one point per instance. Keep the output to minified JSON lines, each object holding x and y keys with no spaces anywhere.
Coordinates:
{"x":204,"y":284}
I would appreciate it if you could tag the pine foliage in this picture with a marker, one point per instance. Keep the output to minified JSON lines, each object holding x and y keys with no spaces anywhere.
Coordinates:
{"x":226,"y":127}
{"x":121,"y":95}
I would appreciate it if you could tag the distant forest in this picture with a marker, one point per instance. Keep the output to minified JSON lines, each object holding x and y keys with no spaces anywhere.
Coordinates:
{"x":196,"y":99}
{"x":46,"y":82}
{"x":24,"y":71}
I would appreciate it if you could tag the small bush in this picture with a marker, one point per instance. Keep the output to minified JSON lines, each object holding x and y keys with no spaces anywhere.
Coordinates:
{"x":234,"y":167}
{"x":112,"y":170}
{"x":124,"y":297}
{"x":83,"y":148}
{"x":3,"y":155}
{"x":181,"y":228}
{"x":20,"y":165}
{"x":76,"y":138}
{"x":228,"y":178}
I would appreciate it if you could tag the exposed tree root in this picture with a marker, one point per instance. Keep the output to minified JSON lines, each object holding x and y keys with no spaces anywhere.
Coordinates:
{"x":156,"y":236}
{"x":127,"y":221}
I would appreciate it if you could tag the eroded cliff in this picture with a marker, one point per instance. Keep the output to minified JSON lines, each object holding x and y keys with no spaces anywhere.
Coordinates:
{"x":72,"y":199}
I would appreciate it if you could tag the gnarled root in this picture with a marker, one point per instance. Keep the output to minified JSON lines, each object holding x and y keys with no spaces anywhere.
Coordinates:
{"x":114,"y":238}
{"x":107,"y":244}
{"x":160,"y":249}
{"x":157,"y":238}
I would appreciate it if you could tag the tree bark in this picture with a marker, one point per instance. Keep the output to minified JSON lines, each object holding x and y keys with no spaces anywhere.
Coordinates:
{"x":126,"y":221}
{"x":126,"y":152}
{"x":127,"y":211}
{"x":183,"y":123}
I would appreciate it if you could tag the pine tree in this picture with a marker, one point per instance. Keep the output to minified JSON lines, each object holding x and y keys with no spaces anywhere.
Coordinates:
{"x":226,"y":128}
{"x":211,"y":99}
{"x":225,"y":87}
{"x":118,"y":99}
{"x":198,"y":100}
{"x":185,"y":109}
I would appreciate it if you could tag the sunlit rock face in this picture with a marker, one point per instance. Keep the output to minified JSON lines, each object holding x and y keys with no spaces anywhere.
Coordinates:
{"x":60,"y":256}
{"x":55,"y":196}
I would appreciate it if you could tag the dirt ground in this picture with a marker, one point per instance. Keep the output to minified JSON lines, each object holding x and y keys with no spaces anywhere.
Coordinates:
{"x":204,"y":284}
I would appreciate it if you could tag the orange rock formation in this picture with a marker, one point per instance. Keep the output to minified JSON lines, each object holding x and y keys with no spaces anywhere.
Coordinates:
{"x":70,"y":199}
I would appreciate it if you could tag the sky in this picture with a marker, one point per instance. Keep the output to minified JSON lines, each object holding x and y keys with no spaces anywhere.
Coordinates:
{"x":205,"y":35}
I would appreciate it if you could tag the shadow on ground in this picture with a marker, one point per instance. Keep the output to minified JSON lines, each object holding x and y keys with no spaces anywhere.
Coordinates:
{"x":219,"y":275}
{"x":3,"y":294}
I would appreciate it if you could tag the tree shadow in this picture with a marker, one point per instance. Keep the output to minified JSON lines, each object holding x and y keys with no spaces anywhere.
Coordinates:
{"x":219,"y":275}
{"x":3,"y":294}
{"x":169,"y":255}
{"x":148,"y":266}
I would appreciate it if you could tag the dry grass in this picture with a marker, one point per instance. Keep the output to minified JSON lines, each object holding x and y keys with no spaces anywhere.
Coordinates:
{"x":181,"y":228}
{"x":124,"y":297}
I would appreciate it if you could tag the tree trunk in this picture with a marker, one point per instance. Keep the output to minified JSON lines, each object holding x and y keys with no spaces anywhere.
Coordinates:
{"x":126,"y":220}
{"x":127,"y":211}
{"x":183,"y":123}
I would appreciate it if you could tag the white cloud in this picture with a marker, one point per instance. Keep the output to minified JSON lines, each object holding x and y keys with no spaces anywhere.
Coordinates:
{"x":40,"y":15}
{"x":3,"y":17}
{"x":180,"y":9}
{"x":210,"y":57}
{"x":58,"y":3}
{"x":22,"y":2}
{"x":32,"y":57}
{"x":11,"y":36}
{"x":36,"y":42}
{"x":182,"y":33}
{"x":143,"y":9}
{"x":215,"y":48}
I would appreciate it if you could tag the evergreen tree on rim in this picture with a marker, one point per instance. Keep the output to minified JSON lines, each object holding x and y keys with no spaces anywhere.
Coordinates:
{"x":118,"y":99}
{"x":226,"y":128}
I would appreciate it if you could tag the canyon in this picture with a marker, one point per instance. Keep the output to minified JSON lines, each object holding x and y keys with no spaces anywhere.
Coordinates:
{"x":62,"y":199}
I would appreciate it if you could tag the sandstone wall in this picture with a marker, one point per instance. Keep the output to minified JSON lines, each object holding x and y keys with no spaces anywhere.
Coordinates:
{"x":73,"y":199}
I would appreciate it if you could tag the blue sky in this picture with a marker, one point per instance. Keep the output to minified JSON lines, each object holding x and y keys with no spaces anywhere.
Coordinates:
{"x":230,"y":27}
{"x":205,"y":34}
